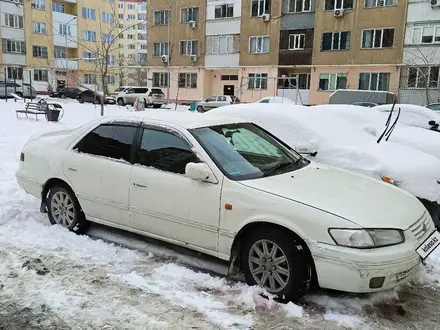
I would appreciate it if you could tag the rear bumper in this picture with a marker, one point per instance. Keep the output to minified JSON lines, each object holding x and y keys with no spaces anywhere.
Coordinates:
{"x":31,"y":187}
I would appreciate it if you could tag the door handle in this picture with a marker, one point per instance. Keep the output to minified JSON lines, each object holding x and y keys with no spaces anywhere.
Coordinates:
{"x":73,"y":169}
{"x":139,"y":185}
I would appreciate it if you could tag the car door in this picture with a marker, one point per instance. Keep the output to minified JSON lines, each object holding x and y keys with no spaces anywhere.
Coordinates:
{"x":98,"y":170}
{"x":130,"y":96}
{"x":88,"y":96}
{"x":210,"y":103}
{"x":166,"y":203}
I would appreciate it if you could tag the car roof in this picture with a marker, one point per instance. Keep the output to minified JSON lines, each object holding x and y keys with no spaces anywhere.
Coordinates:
{"x":188,"y":120}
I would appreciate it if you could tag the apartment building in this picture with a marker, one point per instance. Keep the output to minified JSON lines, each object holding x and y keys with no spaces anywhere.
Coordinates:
{"x":132,"y":24}
{"x":357,"y":45}
{"x":296,"y":47}
{"x":419,"y":83}
{"x":176,"y":47}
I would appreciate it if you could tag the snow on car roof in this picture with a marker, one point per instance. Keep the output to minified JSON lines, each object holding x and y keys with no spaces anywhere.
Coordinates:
{"x":186,"y":119}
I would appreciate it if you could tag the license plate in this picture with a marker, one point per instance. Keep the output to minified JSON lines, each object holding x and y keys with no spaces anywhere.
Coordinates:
{"x":429,"y":245}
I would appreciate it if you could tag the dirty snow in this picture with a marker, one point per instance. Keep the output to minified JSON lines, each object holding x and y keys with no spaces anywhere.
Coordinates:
{"x":53,"y":279}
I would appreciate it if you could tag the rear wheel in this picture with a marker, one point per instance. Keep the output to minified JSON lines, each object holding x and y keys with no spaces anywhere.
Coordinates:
{"x":63,"y":96}
{"x":64,"y":209}
{"x":121,"y":102}
{"x":80,"y":100}
{"x":200,"y":108}
{"x":276,"y":261}
{"x":157,"y":106}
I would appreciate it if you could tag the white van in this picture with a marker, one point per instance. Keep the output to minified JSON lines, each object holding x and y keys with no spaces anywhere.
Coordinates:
{"x":23,"y":90}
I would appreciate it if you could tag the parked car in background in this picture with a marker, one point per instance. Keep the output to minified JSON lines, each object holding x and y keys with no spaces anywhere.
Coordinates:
{"x":90,"y":96}
{"x":67,"y":92}
{"x":276,"y":99}
{"x":366,"y":104}
{"x":279,"y":218}
{"x":153,"y":96}
{"x":334,"y":141}
{"x":434,"y":106}
{"x":22,"y":90}
{"x":414,"y":115}
{"x":216,"y":101}
{"x":118,"y":90}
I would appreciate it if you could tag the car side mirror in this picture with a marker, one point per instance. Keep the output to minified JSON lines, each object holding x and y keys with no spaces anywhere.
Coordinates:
{"x":306,"y":149}
{"x":432,"y":123}
{"x":199,"y":172}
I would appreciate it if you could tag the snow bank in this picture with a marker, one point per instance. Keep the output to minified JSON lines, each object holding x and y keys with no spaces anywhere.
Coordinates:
{"x":343,"y":145}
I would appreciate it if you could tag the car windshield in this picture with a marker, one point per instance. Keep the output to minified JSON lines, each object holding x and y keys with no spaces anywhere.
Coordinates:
{"x":244,"y":151}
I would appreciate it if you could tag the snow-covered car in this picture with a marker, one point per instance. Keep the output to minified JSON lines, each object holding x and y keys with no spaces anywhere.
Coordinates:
{"x":414,"y":115}
{"x":337,"y":142}
{"x":216,"y":101}
{"x":276,"y":99}
{"x":434,"y":106}
{"x":227,"y":188}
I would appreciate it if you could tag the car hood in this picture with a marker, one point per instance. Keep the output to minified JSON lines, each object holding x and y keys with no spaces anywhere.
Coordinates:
{"x":357,"y":198}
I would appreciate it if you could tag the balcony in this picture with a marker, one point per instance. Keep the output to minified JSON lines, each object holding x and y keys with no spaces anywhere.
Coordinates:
{"x":222,"y":60}
{"x":68,"y":1}
{"x":60,"y":63}
{"x":295,"y":57}
{"x":69,"y":41}
{"x":223,"y":26}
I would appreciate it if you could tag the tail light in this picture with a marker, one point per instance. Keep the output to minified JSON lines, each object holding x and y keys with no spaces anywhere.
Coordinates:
{"x":150,"y":95}
{"x":22,"y":157}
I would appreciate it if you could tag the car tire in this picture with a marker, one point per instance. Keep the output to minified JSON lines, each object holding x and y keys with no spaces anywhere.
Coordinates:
{"x":288,"y":279}
{"x":157,"y":106}
{"x":63,"y":96}
{"x":64,"y":209}
{"x":121,"y":102}
{"x":80,"y":100}
{"x":200,"y":109}
{"x":20,"y":94}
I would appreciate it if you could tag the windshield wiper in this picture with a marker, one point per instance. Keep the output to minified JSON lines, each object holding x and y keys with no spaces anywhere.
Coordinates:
{"x":282,"y":165}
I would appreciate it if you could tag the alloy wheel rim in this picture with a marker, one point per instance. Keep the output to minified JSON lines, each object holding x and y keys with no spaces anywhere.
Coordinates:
{"x":62,"y":208}
{"x":269,"y":266}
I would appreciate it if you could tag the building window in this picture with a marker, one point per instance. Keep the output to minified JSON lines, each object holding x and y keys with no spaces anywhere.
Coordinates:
{"x":107,"y":18}
{"x":297,"y":41}
{"x":130,"y":6}
{"x":121,"y":16}
{"x":189,"y":47}
{"x":39,"y":4}
{"x":143,"y":47}
{"x":160,"y":49}
{"x":161,"y":17}
{"x":121,"y":5}
{"x":299,"y":6}
{"x":13,"y":46}
{"x":260,"y":7}
{"x":109,"y":80}
{"x":58,"y":7}
{"x":259,"y":45}
{"x":332,"y":81}
{"x":142,"y":17}
{"x":229,"y":77}
{"x":423,"y":77}
{"x":89,"y":35}
{"x":131,"y":17}
{"x":160,"y":79}
{"x":336,"y":40}
{"x":338,"y":4}
{"x":257,"y":81}
{"x":188,"y":80}
{"x":108,"y":38}
{"x":64,"y":30}
{"x":426,"y":34}
{"x":130,"y":36}
{"x":374,"y":81}
{"x":39,"y":51}
{"x":40,"y":75}
{"x":131,"y":47}
{"x":60,"y":53}
{"x":377,"y":38}
{"x":379,"y":3}
{"x":224,"y":11}
{"x":89,"y":13}
{"x":15,"y":73}
{"x":142,"y":58}
{"x":111,"y":60}
{"x":189,"y":14}
{"x":38,"y":27}
{"x":296,"y":81}
{"x":222,"y":45}
{"x":89,"y":79}
{"x":14,"y":21}
{"x":88,"y":56}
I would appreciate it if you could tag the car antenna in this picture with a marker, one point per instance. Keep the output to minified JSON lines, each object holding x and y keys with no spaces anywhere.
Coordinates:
{"x":387,"y":124}
{"x":392,"y":126}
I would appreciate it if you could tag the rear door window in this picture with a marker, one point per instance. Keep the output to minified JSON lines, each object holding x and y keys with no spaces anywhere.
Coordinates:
{"x":141,"y":90}
{"x":112,"y":141}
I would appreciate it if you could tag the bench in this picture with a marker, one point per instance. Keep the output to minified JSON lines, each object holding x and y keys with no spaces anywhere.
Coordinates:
{"x":33,"y":109}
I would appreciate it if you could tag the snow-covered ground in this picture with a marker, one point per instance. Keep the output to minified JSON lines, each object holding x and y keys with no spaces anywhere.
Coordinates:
{"x":53,"y":279}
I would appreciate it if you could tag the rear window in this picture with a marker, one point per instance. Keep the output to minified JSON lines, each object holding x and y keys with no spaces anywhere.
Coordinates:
{"x":156,"y":91}
{"x":140,"y":90}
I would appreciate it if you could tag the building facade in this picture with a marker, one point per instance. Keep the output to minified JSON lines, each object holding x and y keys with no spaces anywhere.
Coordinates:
{"x":47,"y":43}
{"x":419,"y":83}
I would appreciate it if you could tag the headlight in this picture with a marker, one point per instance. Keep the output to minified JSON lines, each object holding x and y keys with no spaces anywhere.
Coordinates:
{"x":389,"y":180}
{"x":367,"y":238}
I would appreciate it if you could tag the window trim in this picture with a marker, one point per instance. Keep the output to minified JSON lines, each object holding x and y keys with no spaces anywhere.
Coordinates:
{"x":163,"y":10}
{"x":187,"y":84}
{"x":262,"y":37}
{"x":294,"y":37}
{"x":379,"y":74}
{"x":186,"y":47}
{"x":226,"y":4}
{"x":259,"y":74}
{"x":412,"y":28}
{"x":187,"y":9}
{"x":227,"y":37}
{"x":302,"y":11}
{"x":381,"y":38}
{"x":342,"y":6}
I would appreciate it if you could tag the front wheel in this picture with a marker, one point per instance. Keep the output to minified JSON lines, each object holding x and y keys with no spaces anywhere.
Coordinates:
{"x":200,"y":109}
{"x":80,"y":100}
{"x":121,"y":102}
{"x":64,"y":209}
{"x":277,"y":262}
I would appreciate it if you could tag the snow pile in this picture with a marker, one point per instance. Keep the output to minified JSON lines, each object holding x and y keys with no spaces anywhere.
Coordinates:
{"x":418,"y":138}
{"x":343,"y":145}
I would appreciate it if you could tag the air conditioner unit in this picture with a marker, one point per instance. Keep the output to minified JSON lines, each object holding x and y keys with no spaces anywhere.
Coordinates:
{"x":435,"y":3}
{"x":192,"y":24}
{"x":165,"y":58}
{"x":194,"y":58}
{"x":338,"y":12}
{"x":265,"y":17}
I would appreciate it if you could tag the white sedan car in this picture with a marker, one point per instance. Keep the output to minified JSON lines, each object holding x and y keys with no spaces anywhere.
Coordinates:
{"x":276,"y":99}
{"x":227,"y":188}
